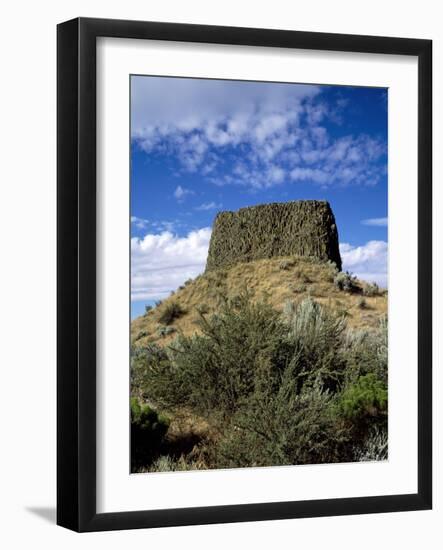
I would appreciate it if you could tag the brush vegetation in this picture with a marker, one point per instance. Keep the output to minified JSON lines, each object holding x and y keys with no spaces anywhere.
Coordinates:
{"x":254,"y":384}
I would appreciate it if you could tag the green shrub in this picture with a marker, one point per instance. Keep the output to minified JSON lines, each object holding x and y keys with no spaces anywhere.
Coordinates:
{"x":316,"y":335}
{"x":147,"y":432}
{"x":142,"y":361}
{"x":345,"y":281}
{"x":368,"y":397}
{"x":217,"y":368}
{"x":284,"y":427}
{"x":148,"y":309}
{"x":170,"y":313}
{"x":296,"y":387}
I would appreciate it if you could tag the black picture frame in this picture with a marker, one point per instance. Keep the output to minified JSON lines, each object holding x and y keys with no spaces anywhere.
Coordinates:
{"x":76,"y":281}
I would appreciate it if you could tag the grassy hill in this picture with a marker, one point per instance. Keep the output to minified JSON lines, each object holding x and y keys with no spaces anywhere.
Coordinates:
{"x":277,"y":280}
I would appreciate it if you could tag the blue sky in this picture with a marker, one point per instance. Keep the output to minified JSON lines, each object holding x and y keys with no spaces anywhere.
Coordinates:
{"x":200,"y":146}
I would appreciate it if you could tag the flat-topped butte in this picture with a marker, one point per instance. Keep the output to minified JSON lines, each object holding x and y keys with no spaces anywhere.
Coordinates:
{"x":296,"y":228}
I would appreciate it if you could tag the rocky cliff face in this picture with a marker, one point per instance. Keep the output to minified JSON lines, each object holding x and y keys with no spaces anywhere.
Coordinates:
{"x":302,"y":228}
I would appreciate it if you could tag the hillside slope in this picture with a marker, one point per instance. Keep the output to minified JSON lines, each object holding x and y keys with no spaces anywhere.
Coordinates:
{"x":278,"y":280}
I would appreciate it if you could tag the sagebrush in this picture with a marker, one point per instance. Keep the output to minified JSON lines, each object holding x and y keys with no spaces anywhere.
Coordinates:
{"x":297,"y":387}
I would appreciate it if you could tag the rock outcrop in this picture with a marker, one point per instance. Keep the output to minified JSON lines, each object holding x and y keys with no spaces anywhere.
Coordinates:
{"x":297,"y":228}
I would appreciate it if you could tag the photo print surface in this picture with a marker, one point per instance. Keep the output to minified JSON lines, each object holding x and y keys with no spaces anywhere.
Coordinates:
{"x":259,"y":283}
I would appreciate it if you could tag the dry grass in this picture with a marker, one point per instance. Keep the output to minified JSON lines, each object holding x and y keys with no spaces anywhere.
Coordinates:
{"x":294,"y":279}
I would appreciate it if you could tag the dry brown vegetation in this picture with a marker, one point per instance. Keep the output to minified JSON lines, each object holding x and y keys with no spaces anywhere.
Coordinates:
{"x":277,"y":280}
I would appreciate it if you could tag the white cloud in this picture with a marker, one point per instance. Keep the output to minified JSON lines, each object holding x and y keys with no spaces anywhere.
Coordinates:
{"x":139,"y":223}
{"x":312,"y":174}
{"x":369,"y":262}
{"x":166,"y":225}
{"x":348,"y":160}
{"x":209,"y":206}
{"x":376,"y":222}
{"x":224,"y":108}
{"x":273,"y":131}
{"x":181,"y":192}
{"x":162,"y":262}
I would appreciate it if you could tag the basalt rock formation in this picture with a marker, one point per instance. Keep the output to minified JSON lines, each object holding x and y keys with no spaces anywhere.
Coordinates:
{"x":296,"y":228}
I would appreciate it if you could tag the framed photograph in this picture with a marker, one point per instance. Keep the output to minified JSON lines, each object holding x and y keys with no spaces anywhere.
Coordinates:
{"x":244,"y":274}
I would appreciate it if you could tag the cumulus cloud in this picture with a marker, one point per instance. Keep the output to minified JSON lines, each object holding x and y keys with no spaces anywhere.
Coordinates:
{"x":376,"y":222}
{"x":162,"y":262}
{"x":272,"y":132}
{"x":369,"y":261}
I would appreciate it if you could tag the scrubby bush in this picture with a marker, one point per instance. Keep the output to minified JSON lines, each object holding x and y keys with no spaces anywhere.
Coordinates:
{"x":147,"y":432}
{"x":216,"y":369}
{"x":364,"y":404}
{"x":366,"y":352}
{"x":332,"y":266}
{"x":372,"y":289}
{"x":296,"y":387}
{"x":316,"y":335}
{"x":148,"y":309}
{"x":345,"y":281}
{"x":331,"y":271}
{"x":167,"y":464}
{"x":362,"y":303}
{"x":284,"y":427}
{"x":374,"y":447}
{"x":142,"y":361}
{"x":170,"y":313}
